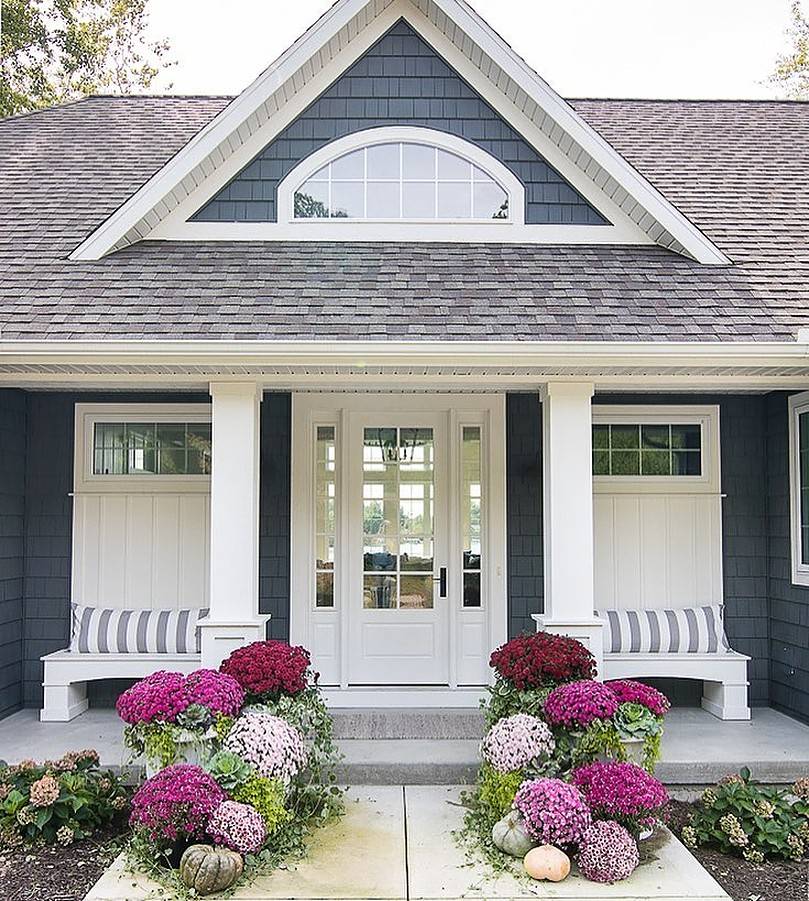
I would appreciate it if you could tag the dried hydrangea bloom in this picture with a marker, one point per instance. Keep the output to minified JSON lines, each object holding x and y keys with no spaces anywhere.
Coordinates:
{"x":44,"y":791}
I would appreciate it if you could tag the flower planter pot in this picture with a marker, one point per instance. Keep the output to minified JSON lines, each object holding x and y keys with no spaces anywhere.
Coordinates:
{"x":634,"y":750}
{"x":191,"y":748}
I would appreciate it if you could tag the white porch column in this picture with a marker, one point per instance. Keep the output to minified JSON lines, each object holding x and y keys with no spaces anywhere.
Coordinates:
{"x":568,"y":515}
{"x":234,"y":619}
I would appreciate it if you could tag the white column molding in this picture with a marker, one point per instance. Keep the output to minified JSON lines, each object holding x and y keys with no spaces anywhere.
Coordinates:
{"x":234,"y":619}
{"x":568,"y":515}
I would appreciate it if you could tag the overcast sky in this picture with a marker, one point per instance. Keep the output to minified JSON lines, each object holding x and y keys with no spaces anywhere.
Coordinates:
{"x":584,"y":48}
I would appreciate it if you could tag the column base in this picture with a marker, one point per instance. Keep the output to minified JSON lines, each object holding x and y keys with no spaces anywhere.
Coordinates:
{"x":220,"y":639}
{"x":589,"y":632}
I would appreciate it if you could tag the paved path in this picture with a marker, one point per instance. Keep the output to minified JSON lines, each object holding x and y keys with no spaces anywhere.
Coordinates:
{"x":395,"y":842}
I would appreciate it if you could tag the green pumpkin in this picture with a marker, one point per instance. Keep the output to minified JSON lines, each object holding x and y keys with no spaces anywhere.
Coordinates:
{"x":509,"y":835}
{"x":207,"y":869}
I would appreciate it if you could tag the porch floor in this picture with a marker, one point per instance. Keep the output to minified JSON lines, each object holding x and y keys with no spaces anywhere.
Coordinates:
{"x":698,"y":749}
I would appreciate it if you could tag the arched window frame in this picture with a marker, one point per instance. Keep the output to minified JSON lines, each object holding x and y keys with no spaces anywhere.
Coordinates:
{"x":395,"y":134}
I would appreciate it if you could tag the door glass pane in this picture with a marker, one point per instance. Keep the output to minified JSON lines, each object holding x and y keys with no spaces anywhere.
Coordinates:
{"x":398,"y":496}
{"x":471,"y":514}
{"x":325,"y":514}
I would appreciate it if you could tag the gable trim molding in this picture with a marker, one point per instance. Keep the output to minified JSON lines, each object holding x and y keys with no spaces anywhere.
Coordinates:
{"x":470,"y":46}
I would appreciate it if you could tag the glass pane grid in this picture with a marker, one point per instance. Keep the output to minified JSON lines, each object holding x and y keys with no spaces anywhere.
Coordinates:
{"x":325,"y":515}
{"x":401,"y":181}
{"x":647,"y":450}
{"x":151,"y":448}
{"x":471,"y":513}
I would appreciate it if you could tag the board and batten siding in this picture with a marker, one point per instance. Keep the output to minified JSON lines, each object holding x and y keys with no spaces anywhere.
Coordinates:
{"x":401,"y":80}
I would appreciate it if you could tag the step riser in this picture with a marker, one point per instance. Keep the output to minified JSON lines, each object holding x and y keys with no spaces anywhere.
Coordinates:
{"x":404,"y":724}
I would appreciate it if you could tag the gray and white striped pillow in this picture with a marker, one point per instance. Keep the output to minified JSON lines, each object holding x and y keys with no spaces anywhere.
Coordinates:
{"x":688,"y":630}
{"x":99,"y":630}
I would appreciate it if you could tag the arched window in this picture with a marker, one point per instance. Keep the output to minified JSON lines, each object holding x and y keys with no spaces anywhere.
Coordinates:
{"x":401,"y":175}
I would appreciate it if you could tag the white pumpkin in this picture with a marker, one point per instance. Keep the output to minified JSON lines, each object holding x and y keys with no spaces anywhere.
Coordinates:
{"x":509,"y":835}
{"x":547,"y":862}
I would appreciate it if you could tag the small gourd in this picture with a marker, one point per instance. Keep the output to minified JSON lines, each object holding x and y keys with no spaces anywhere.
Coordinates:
{"x":207,"y":869}
{"x":510,"y":837}
{"x":547,"y":862}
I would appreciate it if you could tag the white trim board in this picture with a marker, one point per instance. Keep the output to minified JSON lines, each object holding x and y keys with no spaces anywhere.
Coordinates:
{"x":340,"y":37}
{"x":798,"y":405}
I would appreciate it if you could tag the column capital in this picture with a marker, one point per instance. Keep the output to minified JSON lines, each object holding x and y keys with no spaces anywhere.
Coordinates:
{"x":235,"y":389}
{"x":567,"y":389}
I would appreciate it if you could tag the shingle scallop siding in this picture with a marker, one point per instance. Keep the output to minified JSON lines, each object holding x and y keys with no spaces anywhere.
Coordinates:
{"x":401,"y":80}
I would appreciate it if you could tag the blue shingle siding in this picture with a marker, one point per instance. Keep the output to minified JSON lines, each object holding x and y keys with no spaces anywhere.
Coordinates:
{"x":274,"y":512}
{"x":401,"y":80}
{"x":524,"y":510}
{"x":789,"y":604}
{"x":12,"y":520}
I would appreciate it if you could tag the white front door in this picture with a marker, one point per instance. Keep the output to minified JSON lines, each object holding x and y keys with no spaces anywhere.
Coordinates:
{"x":398,"y":567}
{"x":398,"y":540}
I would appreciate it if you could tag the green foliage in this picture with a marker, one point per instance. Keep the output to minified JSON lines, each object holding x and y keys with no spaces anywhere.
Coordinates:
{"x":495,"y":792}
{"x":635,"y":721}
{"x":745,"y":819}
{"x":222,"y":725}
{"x":504,"y":699}
{"x":229,"y":770}
{"x":195,"y":716}
{"x":156,"y":741}
{"x":267,"y":796}
{"x":58,"y":801}
{"x":577,"y":747}
{"x":792,"y":68}
{"x":57,"y":50}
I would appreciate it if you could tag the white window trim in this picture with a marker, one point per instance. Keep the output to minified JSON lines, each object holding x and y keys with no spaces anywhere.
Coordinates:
{"x":704,"y":415}
{"x":400,"y":228}
{"x":85,"y":481}
{"x":798,"y":404}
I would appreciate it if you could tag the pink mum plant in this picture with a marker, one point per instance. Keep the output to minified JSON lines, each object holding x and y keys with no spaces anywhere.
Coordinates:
{"x":238,"y":826}
{"x":607,"y":853}
{"x":623,"y":792}
{"x":628,"y":691}
{"x":577,"y":704}
{"x":515,"y":741}
{"x":555,"y":813}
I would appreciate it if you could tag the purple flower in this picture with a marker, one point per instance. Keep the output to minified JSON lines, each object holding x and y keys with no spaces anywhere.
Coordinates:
{"x":512,"y":743}
{"x":620,"y":791}
{"x":630,"y":692}
{"x":238,"y":826}
{"x":555,"y":813}
{"x":163,"y":696}
{"x":577,"y":704}
{"x":216,"y":691}
{"x":608,"y":853}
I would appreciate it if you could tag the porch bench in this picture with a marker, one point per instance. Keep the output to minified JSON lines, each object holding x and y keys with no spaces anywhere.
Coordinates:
{"x":68,"y":672}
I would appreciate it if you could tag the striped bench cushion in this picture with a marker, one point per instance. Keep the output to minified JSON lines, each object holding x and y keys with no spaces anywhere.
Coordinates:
{"x":98,"y":630}
{"x":688,"y":630}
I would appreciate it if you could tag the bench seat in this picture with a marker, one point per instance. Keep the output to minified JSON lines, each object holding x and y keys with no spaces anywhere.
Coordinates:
{"x":68,"y":672}
{"x":724,"y":676}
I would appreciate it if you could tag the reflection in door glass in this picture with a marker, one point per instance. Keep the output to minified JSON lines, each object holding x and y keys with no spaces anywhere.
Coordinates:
{"x":471,"y":504}
{"x":398,"y":495}
{"x":325,"y":515}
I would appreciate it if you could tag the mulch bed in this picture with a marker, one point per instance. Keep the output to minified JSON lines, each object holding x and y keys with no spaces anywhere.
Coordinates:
{"x":56,"y":873}
{"x":743,"y":881}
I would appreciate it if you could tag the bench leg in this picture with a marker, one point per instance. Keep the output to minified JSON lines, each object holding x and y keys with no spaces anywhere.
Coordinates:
{"x":63,"y":702}
{"x":726,"y":700}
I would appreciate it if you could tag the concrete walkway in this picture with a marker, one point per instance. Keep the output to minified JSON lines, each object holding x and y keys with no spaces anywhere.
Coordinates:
{"x":698,"y":749}
{"x":395,"y":842}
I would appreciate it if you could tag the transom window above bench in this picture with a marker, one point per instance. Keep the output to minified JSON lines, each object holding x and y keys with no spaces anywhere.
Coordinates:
{"x":152,"y":448}
{"x":638,"y":449}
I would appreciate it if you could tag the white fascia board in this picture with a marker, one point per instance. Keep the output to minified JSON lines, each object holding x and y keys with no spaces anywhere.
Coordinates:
{"x":107,"y":236}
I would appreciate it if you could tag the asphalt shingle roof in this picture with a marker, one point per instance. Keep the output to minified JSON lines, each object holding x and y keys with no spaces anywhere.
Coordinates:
{"x":739,"y":170}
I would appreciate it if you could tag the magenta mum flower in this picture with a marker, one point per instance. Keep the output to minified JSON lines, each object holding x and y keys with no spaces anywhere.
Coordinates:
{"x":160,"y":696}
{"x":555,"y":813}
{"x":176,"y":803}
{"x":628,"y":691}
{"x":513,"y":742}
{"x":608,"y":853}
{"x":577,"y":704}
{"x":620,"y":791}
{"x":217,"y":691}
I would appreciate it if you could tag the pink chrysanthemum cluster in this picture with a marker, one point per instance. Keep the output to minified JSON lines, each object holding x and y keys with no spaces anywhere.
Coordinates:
{"x":577,"y":704}
{"x":270,"y":744}
{"x":162,"y":696}
{"x":238,"y":826}
{"x":620,"y":791}
{"x":630,"y":692}
{"x":176,"y":802}
{"x":513,"y":742}
{"x":607,"y":853}
{"x":555,"y":813}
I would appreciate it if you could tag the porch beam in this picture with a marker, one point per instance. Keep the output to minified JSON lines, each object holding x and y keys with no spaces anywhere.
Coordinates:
{"x":568,"y":514}
{"x":235,"y":471}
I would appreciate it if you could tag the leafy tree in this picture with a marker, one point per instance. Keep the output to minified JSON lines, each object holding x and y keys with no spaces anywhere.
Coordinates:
{"x":792,"y":69}
{"x":57,"y":50}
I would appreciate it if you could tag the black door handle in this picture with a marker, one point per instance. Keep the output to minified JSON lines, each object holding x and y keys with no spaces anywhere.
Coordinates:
{"x":442,"y":582}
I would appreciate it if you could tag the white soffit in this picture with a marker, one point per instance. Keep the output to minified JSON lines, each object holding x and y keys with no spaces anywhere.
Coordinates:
{"x":328,"y":48}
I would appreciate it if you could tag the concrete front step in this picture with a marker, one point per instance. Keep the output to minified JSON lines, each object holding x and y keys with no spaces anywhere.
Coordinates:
{"x":404,"y":723}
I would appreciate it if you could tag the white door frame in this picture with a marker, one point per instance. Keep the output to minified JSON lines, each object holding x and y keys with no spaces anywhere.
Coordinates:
{"x":325,"y":631}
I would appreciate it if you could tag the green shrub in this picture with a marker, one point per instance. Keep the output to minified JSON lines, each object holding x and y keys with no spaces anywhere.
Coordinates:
{"x":740,"y":817}
{"x":267,"y":796}
{"x":58,"y":801}
{"x":495,"y":792}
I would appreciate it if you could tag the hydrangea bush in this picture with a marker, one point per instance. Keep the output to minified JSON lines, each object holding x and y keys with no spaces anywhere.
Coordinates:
{"x":607,"y":853}
{"x":271,"y":745}
{"x":554,"y":812}
{"x":623,"y":792}
{"x":517,"y":741}
{"x":237,"y":826}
